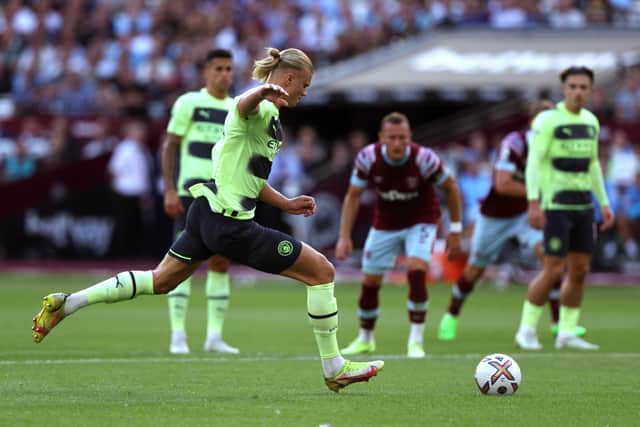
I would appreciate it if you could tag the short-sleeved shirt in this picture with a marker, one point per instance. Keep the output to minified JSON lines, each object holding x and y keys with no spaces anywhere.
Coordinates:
{"x":512,"y":157}
{"x":198,"y":118}
{"x":405,"y":189}
{"x":242,"y":160}
{"x":566,"y":145}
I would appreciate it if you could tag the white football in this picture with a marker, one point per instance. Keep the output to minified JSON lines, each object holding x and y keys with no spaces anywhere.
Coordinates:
{"x":498,"y":374}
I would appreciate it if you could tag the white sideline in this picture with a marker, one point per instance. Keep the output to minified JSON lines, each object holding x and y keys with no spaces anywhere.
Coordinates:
{"x":272,"y":357}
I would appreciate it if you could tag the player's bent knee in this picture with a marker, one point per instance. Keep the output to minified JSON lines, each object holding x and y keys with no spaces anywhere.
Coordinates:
{"x":160,"y":284}
{"x":170,"y":273}
{"x":325,"y":272}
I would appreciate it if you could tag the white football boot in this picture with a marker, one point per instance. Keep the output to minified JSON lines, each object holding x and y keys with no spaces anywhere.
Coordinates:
{"x":527,"y":339}
{"x":569,"y":340}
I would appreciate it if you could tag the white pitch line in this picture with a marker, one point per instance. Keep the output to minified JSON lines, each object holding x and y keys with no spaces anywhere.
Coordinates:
{"x":267,"y":358}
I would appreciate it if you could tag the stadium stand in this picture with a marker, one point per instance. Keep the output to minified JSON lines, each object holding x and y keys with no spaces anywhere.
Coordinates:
{"x":73,"y":73}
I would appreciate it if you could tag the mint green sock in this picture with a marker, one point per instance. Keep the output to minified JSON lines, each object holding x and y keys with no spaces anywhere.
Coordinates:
{"x":322,"y":309}
{"x":217,"y":290}
{"x":569,"y":317}
{"x":531,"y":314}
{"x":179,"y":306}
{"x":121,"y":287}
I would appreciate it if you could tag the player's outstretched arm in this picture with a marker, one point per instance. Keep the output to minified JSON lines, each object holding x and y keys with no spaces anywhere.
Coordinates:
{"x":454,"y":205}
{"x":300,"y":205}
{"x":248,"y":103}
{"x":350,"y":207}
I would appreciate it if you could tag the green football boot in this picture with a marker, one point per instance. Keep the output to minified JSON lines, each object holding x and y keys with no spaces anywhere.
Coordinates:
{"x":448,"y":328}
{"x":579,"y":331}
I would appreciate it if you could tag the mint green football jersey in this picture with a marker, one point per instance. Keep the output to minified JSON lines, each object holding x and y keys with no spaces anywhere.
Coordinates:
{"x":562,"y":166}
{"x":242,"y":160}
{"x":198,"y":118}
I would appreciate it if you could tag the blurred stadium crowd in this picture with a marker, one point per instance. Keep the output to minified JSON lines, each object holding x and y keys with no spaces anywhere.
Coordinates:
{"x":62,"y":61}
{"x":113,"y":57}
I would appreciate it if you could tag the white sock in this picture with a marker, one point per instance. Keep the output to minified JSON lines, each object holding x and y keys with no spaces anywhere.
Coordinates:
{"x":331,"y":366}
{"x":177,"y":336}
{"x":365,"y":335}
{"x":75,"y":302}
{"x":416,"y":332}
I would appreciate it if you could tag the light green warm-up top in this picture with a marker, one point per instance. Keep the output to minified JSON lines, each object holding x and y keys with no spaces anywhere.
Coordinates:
{"x":562,"y":166}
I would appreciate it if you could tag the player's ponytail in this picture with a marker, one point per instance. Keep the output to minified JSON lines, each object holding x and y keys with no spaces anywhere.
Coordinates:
{"x":288,"y":58}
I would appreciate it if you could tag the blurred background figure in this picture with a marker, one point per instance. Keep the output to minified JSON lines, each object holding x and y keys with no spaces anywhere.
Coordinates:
{"x":20,"y":164}
{"x":129,"y":169}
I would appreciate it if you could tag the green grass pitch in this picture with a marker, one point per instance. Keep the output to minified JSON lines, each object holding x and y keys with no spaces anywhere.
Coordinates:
{"x":109,"y":365}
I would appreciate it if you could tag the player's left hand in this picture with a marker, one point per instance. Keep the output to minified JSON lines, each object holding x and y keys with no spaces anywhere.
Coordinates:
{"x":301,"y":205}
{"x":275,"y":94}
{"x":453,"y":245}
{"x":608,"y":218}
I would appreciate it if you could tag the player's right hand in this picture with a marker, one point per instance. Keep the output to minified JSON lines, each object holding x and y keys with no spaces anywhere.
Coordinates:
{"x":344,"y":247}
{"x":275,"y":94}
{"x":172,"y":204}
{"x":454,"y":248}
{"x":608,"y":218}
{"x":536,"y":215}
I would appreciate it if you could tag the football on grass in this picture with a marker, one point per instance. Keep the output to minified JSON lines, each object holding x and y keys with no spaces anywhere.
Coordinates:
{"x":498,"y":375}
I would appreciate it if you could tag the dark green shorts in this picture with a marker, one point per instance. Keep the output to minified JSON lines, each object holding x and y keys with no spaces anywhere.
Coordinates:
{"x":569,"y":231}
{"x":242,"y":241}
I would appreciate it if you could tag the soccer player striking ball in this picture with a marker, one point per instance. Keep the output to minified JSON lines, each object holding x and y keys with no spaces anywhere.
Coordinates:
{"x":503,"y":216}
{"x":563,"y":165}
{"x":220,"y":221}
{"x":197,"y":121}
{"x":406,"y":215}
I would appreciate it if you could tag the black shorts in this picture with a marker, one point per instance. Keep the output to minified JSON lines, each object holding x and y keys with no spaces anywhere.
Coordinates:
{"x":242,"y":241}
{"x":569,"y":231}
{"x":181,"y":220}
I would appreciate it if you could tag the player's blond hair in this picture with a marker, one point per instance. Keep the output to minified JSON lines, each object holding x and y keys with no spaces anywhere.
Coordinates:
{"x":395,"y":118}
{"x":275,"y":59}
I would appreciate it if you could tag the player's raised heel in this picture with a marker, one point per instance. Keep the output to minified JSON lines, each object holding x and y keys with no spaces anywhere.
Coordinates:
{"x":49,"y":315}
{"x":354,"y":372}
